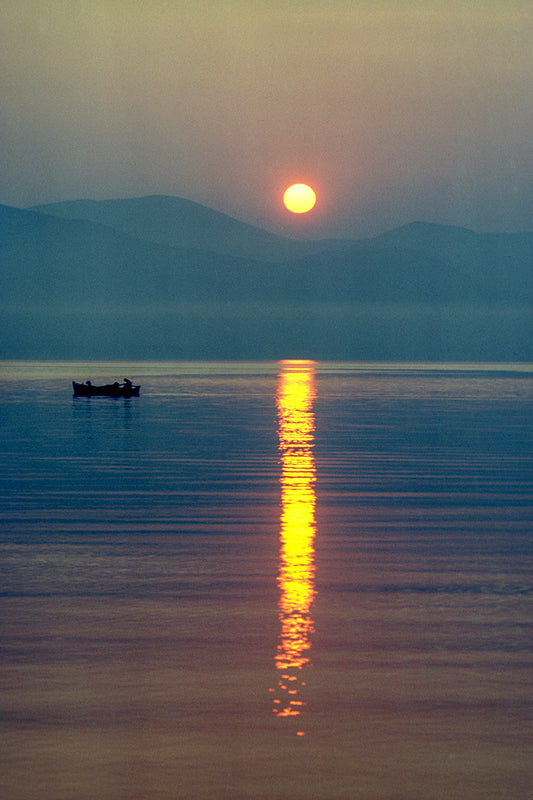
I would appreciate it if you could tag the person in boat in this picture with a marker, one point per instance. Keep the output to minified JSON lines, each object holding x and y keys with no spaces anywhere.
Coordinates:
{"x":127,"y":383}
{"x":88,"y":383}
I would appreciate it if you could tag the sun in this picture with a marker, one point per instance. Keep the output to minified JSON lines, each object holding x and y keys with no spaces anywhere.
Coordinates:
{"x":299,"y":198}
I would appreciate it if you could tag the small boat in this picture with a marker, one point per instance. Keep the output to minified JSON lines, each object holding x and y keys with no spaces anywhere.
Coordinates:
{"x":126,"y":389}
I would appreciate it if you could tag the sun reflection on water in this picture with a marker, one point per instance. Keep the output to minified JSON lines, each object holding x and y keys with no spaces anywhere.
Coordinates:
{"x":296,"y":577}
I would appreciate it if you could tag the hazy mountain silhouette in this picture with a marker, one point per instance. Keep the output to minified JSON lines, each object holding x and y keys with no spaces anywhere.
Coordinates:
{"x":122,"y":279}
{"x":182,"y":223}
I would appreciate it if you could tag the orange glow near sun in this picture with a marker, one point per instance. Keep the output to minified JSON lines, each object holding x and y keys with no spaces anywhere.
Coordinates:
{"x":299,"y":198}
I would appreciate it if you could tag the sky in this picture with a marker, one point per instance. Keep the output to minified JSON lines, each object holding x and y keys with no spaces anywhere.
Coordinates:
{"x":394,"y":111}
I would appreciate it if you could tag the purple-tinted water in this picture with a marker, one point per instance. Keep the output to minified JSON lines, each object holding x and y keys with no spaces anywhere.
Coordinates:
{"x":144,"y":592}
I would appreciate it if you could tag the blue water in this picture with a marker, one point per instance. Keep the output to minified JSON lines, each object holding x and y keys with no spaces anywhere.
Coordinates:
{"x":142,"y":594}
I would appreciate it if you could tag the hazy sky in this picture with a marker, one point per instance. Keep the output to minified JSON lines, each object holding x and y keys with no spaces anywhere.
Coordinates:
{"x":392,"y":111}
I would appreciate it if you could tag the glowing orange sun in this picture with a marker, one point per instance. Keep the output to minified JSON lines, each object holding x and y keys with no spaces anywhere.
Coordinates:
{"x":299,"y":198}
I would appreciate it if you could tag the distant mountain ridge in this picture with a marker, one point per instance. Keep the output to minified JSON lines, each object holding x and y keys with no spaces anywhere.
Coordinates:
{"x":171,"y":278}
{"x":176,"y":222}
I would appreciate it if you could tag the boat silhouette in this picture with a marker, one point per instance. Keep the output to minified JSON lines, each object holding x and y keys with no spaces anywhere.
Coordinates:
{"x":126,"y":389}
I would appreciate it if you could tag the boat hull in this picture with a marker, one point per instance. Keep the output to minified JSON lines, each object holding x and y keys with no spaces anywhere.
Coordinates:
{"x":109,"y":390}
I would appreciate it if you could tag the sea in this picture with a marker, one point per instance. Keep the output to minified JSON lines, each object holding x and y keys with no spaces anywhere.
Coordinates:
{"x":286,"y":580}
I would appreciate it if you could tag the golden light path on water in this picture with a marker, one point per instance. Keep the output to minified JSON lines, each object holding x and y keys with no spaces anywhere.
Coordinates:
{"x":296,"y":577}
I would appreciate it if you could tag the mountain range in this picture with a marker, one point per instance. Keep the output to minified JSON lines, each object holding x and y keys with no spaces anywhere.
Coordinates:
{"x":163,"y":277}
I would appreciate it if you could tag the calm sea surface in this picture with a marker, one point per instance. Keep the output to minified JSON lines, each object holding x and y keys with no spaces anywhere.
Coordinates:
{"x":258,"y":581}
